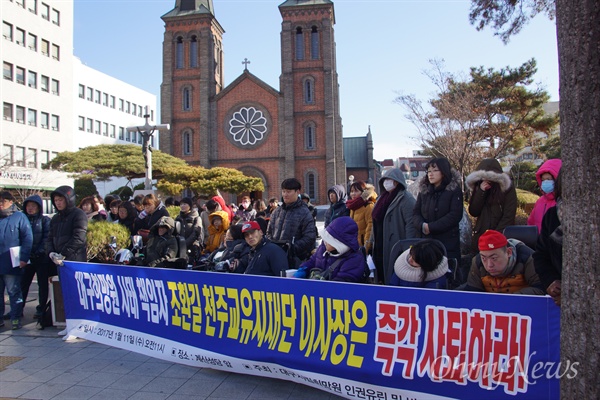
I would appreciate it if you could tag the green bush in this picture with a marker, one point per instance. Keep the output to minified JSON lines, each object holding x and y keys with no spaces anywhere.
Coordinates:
{"x":173,"y":211}
{"x":524,"y":197}
{"x":98,"y":238}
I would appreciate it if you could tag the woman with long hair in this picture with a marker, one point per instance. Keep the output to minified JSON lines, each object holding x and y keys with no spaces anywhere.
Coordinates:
{"x":439,"y":206}
{"x":361,"y":204}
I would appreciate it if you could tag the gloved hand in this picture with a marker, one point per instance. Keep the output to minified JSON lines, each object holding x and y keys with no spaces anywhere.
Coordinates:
{"x":301,"y":273}
{"x":57,"y":258}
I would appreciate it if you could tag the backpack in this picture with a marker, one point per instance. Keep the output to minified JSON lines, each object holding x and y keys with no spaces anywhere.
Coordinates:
{"x":46,"y":318}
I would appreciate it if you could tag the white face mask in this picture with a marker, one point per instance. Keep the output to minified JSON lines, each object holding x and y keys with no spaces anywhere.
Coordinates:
{"x":388,"y":184}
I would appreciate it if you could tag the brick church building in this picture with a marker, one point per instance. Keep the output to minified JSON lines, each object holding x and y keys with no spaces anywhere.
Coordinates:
{"x":293,"y":131}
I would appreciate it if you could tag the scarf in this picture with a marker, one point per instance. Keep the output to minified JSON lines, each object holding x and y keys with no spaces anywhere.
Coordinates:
{"x":383,"y":203}
{"x":356,"y":203}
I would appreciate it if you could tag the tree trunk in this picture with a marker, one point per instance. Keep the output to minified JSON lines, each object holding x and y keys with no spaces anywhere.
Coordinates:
{"x":578,"y":29}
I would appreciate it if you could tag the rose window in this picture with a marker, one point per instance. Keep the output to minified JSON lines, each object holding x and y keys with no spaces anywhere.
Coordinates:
{"x":248,"y":126}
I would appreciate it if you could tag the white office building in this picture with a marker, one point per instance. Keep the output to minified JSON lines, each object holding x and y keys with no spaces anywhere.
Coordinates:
{"x":51,"y":101}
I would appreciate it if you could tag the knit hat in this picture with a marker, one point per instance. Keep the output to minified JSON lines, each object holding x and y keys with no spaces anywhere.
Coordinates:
{"x":187,"y":201}
{"x":166,"y":221}
{"x":342,"y":234}
{"x":491,"y":240}
{"x":250,"y":226}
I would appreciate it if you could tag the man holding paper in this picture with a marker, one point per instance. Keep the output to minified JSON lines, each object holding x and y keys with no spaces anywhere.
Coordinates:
{"x":15,"y":248}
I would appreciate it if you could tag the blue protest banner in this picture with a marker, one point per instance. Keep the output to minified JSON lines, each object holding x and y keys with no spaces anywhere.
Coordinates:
{"x":354,"y":340}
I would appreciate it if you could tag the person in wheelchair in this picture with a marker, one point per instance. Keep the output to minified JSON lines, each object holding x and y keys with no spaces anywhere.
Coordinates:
{"x":423,"y":265}
{"x":162,"y":245}
{"x":338,"y":257}
{"x":233,"y":255}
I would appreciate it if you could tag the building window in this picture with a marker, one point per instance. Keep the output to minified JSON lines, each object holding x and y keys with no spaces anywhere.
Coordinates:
{"x":8,"y":111}
{"x":179,"y":53}
{"x":45,"y":84}
{"x":44,"y":120}
{"x":45,"y":12}
{"x":311,"y":185}
{"x":7,"y":71}
{"x":31,"y":158}
{"x":299,"y":44}
{"x":187,"y":99}
{"x":20,"y":114}
{"x":7,"y":31}
{"x":20,"y":156}
{"x":309,"y":137}
{"x":20,"y":3}
{"x":32,"y":41}
{"x":121,"y":133}
{"x":55,"y":17}
{"x":97,"y":128}
{"x":113,"y":131}
{"x":90,"y":125}
{"x":32,"y":5}
{"x":187,"y":143}
{"x":128,"y":107}
{"x":105,"y":129}
{"x":309,"y":90}
{"x":32,"y":117}
{"x":7,"y":154}
{"x":133,"y":108}
{"x":21,"y":75}
{"x":55,"y":52}
{"x":81,"y":123}
{"x":32,"y":79}
{"x":140,"y":112}
{"x":55,"y":123}
{"x":20,"y":37}
{"x":55,"y":87}
{"x":112,"y":101}
{"x":98,"y":95}
{"x":105,"y":99}
{"x":90,"y":94}
{"x":314,"y":43}
{"x":81,"y":91}
{"x":194,"y":52}
{"x":45,"y":47}
{"x":45,"y":157}
{"x":128,"y":136}
{"x":121,"y":104}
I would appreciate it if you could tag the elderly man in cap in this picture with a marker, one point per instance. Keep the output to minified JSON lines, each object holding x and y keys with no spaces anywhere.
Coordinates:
{"x":15,"y":234}
{"x":266,"y":258}
{"x":503,"y":266}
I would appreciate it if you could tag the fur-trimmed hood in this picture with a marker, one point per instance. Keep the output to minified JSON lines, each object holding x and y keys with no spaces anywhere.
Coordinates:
{"x":489,"y":170}
{"x":369,"y":195}
{"x":424,"y":184}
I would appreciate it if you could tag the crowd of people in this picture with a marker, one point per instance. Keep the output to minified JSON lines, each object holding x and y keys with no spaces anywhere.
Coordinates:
{"x":255,"y":238}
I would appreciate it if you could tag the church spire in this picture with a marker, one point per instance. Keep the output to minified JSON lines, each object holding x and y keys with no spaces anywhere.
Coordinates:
{"x":187,"y":7}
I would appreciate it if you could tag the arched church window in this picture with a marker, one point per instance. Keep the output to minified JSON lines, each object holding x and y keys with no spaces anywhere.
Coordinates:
{"x":314,"y":43}
{"x":187,"y":99}
{"x":310,"y":137}
{"x":310,"y":180}
{"x":299,"y":44}
{"x":187,"y":143}
{"x":309,"y":90}
{"x":194,"y":52}
{"x":179,"y":53}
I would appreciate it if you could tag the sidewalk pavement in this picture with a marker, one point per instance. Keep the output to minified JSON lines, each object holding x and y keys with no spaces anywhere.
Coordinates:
{"x":38,"y":364}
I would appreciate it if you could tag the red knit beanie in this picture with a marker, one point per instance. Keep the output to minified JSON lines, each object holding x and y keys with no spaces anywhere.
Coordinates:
{"x":491,"y":240}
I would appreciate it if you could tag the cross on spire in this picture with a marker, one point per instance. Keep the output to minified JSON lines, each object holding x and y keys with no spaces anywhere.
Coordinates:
{"x":245,"y":62}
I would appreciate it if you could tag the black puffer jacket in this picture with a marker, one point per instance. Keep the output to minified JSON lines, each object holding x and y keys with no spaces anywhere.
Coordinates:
{"x":442,"y":209}
{"x":68,"y":228}
{"x":161,"y":249}
{"x":267,"y":259}
{"x":40,"y":227}
{"x":295,"y":223}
